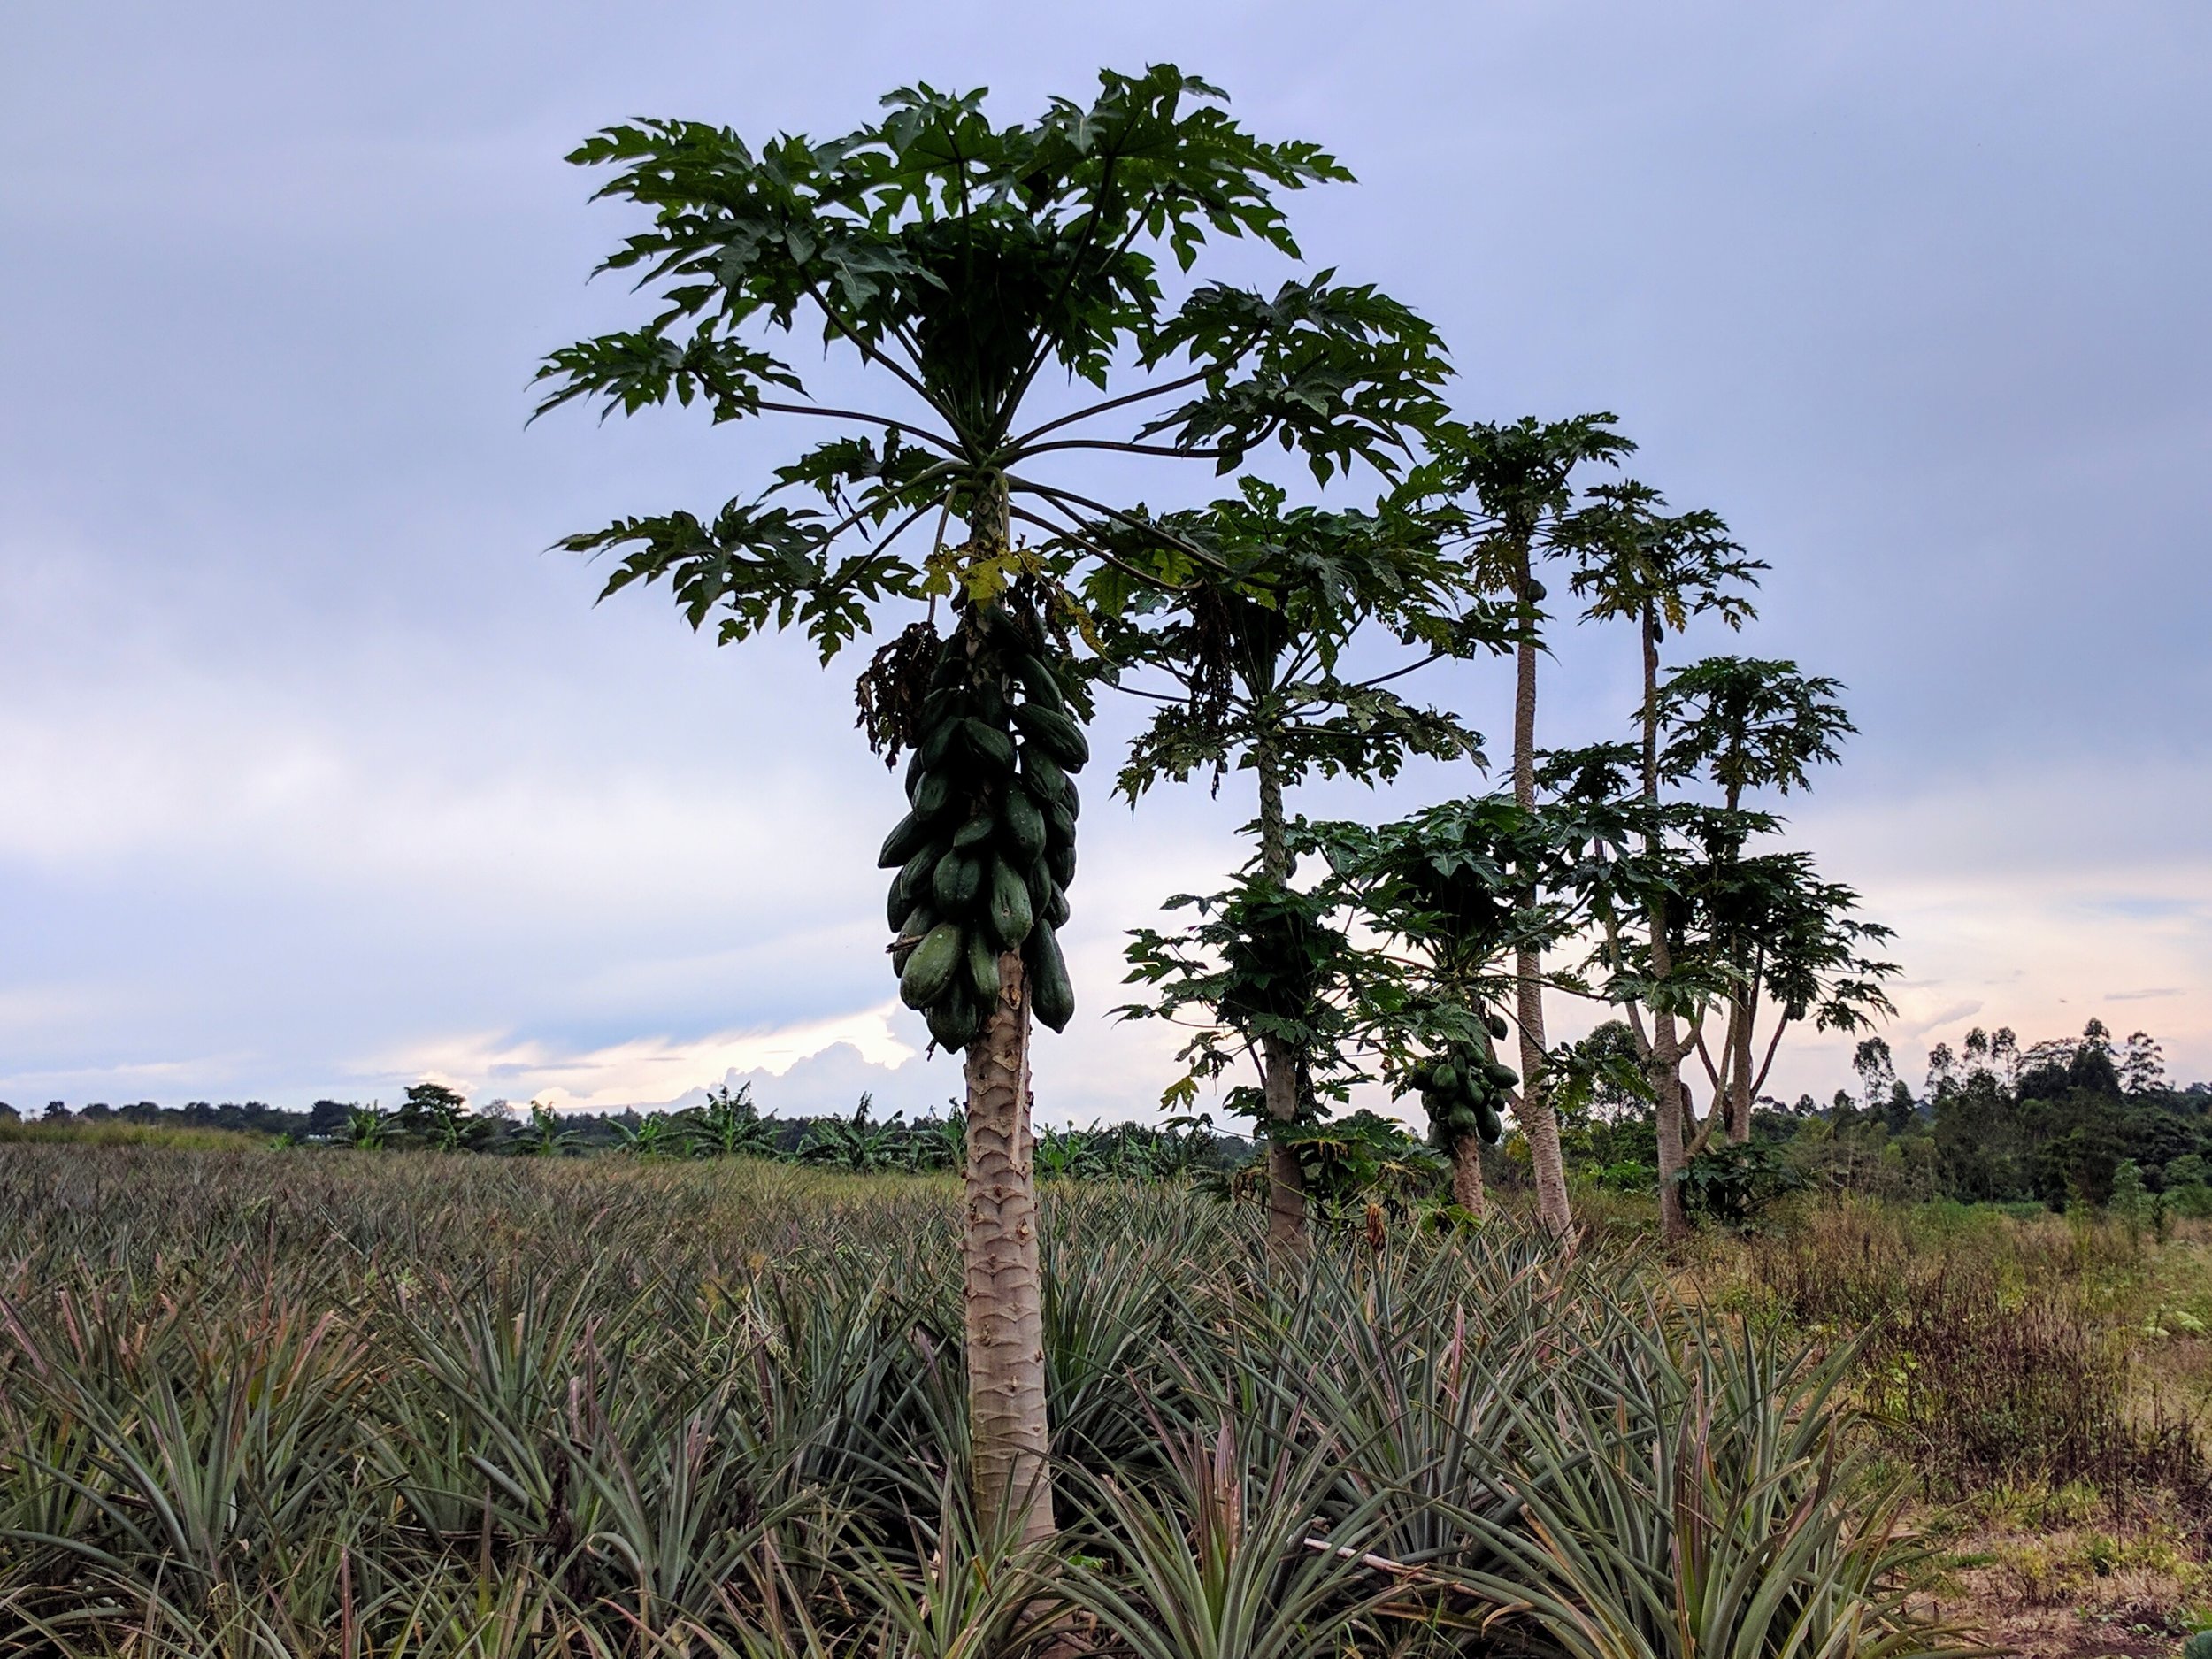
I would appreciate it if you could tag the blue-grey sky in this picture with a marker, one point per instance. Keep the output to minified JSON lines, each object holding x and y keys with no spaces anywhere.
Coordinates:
{"x":319,"y":776}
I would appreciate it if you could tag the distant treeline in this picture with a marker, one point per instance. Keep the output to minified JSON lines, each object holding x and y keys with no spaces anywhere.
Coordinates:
{"x":2071,"y":1120}
{"x":431,"y":1117}
{"x":2083,"y":1119}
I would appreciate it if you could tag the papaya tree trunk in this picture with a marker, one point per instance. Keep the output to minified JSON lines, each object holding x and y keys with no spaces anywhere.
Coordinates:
{"x":1467,"y":1190}
{"x":1666,"y":1078}
{"x":1286,"y":1236}
{"x":1744,"y":1083}
{"x":1533,"y":1108}
{"x":1666,"y":1064}
{"x":1739,"y":1127}
{"x":1010,"y":1438}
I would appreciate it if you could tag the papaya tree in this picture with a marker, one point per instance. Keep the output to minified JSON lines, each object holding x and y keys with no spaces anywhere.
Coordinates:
{"x":1267,"y":974}
{"x":1636,"y":562}
{"x":1741,"y":725}
{"x":1514,"y":488}
{"x":1448,"y":888}
{"x":1253,"y":643}
{"x":1003,"y":293}
{"x":1793,"y":947}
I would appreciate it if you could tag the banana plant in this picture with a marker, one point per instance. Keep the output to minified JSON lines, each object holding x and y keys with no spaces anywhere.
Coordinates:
{"x":934,"y":1143}
{"x":858,"y":1144}
{"x":1069,"y":1155}
{"x":545,"y":1135}
{"x":728,"y":1126}
{"x":655,"y":1135}
{"x":367,"y":1129}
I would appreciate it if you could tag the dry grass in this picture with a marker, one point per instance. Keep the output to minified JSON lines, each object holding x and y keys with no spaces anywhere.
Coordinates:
{"x":2045,"y":1381}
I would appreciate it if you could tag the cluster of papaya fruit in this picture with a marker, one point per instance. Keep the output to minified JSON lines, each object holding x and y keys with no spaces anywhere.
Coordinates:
{"x":985,"y":854}
{"x":1463,"y":1090}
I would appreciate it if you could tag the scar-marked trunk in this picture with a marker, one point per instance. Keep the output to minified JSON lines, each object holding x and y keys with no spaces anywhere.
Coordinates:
{"x":1010,"y":1438}
{"x":1538,"y":1123}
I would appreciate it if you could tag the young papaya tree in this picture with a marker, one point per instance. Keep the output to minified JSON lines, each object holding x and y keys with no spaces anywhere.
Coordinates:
{"x":1253,"y":643}
{"x":1448,"y":888}
{"x":1267,"y":975}
{"x":1636,"y":562}
{"x":1514,"y":488}
{"x":973,"y":274}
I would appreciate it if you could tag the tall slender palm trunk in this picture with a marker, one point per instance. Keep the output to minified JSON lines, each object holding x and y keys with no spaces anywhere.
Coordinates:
{"x":1286,"y":1236}
{"x":1009,"y":1436}
{"x":1665,"y":1061}
{"x":1533,"y":1108}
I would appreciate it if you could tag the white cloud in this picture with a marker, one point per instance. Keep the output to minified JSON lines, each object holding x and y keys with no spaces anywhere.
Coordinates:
{"x":641,"y":1071}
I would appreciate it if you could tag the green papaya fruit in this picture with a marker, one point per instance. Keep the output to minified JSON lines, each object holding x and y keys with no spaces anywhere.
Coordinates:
{"x":952,"y":666}
{"x":1059,"y":826}
{"x":1504,"y":1076}
{"x":1055,"y":911}
{"x":1043,"y":775}
{"x":956,"y":882}
{"x":947,"y":703}
{"x":909,"y":934}
{"x":1041,"y":684}
{"x":937,"y":746}
{"x":930,"y":968}
{"x":982,"y":967}
{"x":1038,"y":879}
{"x":1024,"y":825}
{"x":974,"y":833}
{"x":908,"y":837}
{"x":1008,"y":910}
{"x":1489,"y":1126}
{"x":1535,"y":591}
{"x":1071,"y":802}
{"x":1051,"y":992}
{"x":1494,"y":1023}
{"x":987,"y":703}
{"x":915,"y":773}
{"x":933,"y":798}
{"x":912,"y":881}
{"x":1053,"y":732}
{"x":989,"y":744}
{"x":952,"y":1022}
{"x":1061,"y":861}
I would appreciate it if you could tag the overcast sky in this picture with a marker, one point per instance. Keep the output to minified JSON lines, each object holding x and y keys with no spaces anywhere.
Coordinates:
{"x":319,"y":776}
